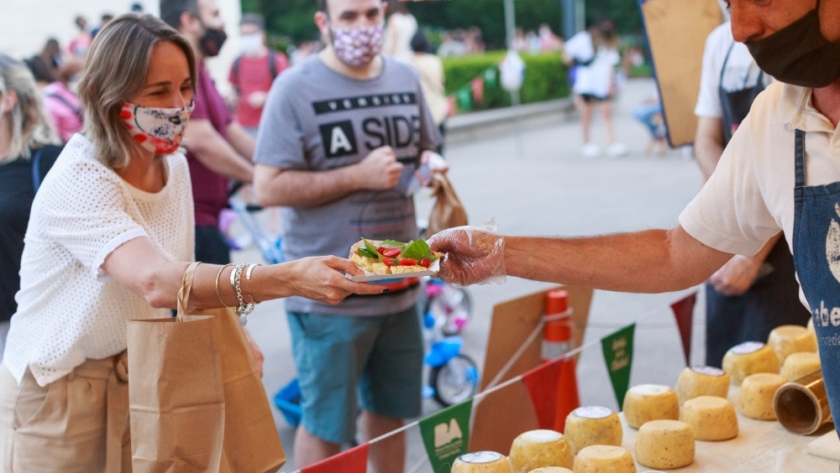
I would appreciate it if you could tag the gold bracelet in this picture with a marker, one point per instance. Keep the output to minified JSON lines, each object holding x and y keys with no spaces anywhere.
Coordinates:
{"x":250,"y":269}
{"x":218,"y":295}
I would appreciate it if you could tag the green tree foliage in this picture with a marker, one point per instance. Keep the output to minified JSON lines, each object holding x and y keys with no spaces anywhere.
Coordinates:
{"x":293,"y":18}
{"x":290,"y":18}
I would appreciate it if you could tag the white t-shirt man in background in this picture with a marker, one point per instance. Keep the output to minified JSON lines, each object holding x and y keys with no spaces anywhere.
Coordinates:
{"x":750,"y":295}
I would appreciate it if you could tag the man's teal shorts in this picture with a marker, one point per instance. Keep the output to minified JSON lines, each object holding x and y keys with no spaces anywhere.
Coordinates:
{"x":382,"y":356}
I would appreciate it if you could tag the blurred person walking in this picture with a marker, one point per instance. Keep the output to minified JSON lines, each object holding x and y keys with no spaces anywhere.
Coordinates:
{"x":64,"y":108}
{"x":81,"y":43}
{"x":27,"y":152}
{"x":400,"y":28}
{"x":44,"y":65}
{"x":109,"y":240}
{"x":594,"y":55}
{"x":432,"y":80}
{"x":253,"y":72}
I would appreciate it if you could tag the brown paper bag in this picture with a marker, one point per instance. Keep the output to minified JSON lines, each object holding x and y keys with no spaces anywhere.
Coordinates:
{"x":447,"y":211}
{"x":176,"y":396}
{"x":242,"y":438}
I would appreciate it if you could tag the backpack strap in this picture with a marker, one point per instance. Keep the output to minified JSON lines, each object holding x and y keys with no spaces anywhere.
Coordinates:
{"x":36,"y":169}
{"x":76,"y":110}
{"x":235,"y":84}
{"x":272,"y":63}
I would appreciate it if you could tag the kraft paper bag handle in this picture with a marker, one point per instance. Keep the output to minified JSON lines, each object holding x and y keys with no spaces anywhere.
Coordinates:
{"x":186,"y":289}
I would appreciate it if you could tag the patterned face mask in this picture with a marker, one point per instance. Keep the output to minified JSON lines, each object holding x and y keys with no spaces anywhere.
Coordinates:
{"x":158,"y":130}
{"x":357,"y":47}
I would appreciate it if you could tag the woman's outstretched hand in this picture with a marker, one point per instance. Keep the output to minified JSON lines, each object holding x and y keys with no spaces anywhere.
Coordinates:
{"x":473,"y":256}
{"x":322,"y":279}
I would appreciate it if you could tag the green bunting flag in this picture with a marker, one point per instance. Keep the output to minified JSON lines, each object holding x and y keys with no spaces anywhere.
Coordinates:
{"x":490,"y":77}
{"x":446,"y":435}
{"x":618,"y":354}
{"x":464,"y":97}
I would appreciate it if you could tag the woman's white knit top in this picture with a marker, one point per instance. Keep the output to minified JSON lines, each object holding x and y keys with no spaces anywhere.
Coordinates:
{"x":69,"y":310}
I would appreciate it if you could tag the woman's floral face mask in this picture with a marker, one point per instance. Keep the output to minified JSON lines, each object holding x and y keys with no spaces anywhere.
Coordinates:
{"x":158,"y":130}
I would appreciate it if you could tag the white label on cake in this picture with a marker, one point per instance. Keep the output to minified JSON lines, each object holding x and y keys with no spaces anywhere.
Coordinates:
{"x":542,"y":436}
{"x":650,"y":389}
{"x":747,"y":347}
{"x":592,"y":412}
{"x":709,"y":370}
{"x":480,"y":457}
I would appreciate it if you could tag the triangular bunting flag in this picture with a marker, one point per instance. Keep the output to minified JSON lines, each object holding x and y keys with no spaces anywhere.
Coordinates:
{"x":477,"y":86}
{"x":446,"y":435}
{"x":464,"y":97}
{"x":567,"y":394}
{"x":541,"y":383}
{"x":349,"y":461}
{"x":684,"y":313}
{"x":618,"y":354}
{"x":552,"y":387}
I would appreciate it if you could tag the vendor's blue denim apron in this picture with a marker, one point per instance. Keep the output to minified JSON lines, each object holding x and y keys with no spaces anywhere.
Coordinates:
{"x":816,"y":253}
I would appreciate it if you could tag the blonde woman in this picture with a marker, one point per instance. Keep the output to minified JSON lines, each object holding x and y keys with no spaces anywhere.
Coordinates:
{"x":26,"y":154}
{"x":109,"y":240}
{"x":594,"y":55}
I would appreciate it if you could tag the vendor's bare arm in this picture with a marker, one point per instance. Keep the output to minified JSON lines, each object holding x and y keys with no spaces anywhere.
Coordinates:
{"x":139,"y":266}
{"x":648,"y":261}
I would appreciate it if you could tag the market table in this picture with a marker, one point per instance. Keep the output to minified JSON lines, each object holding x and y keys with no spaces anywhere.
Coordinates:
{"x":761,"y":446}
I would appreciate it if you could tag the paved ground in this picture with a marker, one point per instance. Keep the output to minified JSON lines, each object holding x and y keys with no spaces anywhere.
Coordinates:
{"x":547,"y":188}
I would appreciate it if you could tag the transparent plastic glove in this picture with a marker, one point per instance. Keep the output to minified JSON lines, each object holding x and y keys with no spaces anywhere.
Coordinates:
{"x":474,"y":255}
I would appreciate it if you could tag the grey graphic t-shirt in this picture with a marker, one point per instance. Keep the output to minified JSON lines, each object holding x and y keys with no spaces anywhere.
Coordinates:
{"x":316,"y":120}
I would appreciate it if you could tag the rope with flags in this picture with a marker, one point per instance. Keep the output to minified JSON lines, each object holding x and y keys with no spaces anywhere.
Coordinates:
{"x":446,"y":432}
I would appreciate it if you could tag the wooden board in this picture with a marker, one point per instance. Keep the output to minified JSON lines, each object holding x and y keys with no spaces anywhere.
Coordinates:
{"x":676,"y":31}
{"x":503,"y":415}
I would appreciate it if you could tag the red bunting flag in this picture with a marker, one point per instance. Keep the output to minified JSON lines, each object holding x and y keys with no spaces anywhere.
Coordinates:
{"x":684,"y":314}
{"x":552,"y":387}
{"x":349,"y":461}
{"x":567,"y":394}
{"x":477,"y":86}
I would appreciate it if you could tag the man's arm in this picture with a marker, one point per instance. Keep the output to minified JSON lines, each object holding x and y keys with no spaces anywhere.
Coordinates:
{"x":740,"y":272}
{"x":241,"y":141}
{"x":708,"y":144}
{"x":649,"y":261}
{"x":294,"y":188}
{"x":213,"y":151}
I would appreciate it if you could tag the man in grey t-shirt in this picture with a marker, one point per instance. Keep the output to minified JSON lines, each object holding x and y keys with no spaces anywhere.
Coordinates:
{"x":340,"y":138}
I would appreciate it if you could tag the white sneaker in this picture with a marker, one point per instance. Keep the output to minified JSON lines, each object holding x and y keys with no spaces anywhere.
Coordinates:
{"x":590,"y":150}
{"x":617,"y":149}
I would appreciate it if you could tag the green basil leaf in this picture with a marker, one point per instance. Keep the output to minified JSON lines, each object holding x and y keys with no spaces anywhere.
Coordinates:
{"x":372,"y":249}
{"x":364,"y":251}
{"x":394,"y":244}
{"x":418,"y":250}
